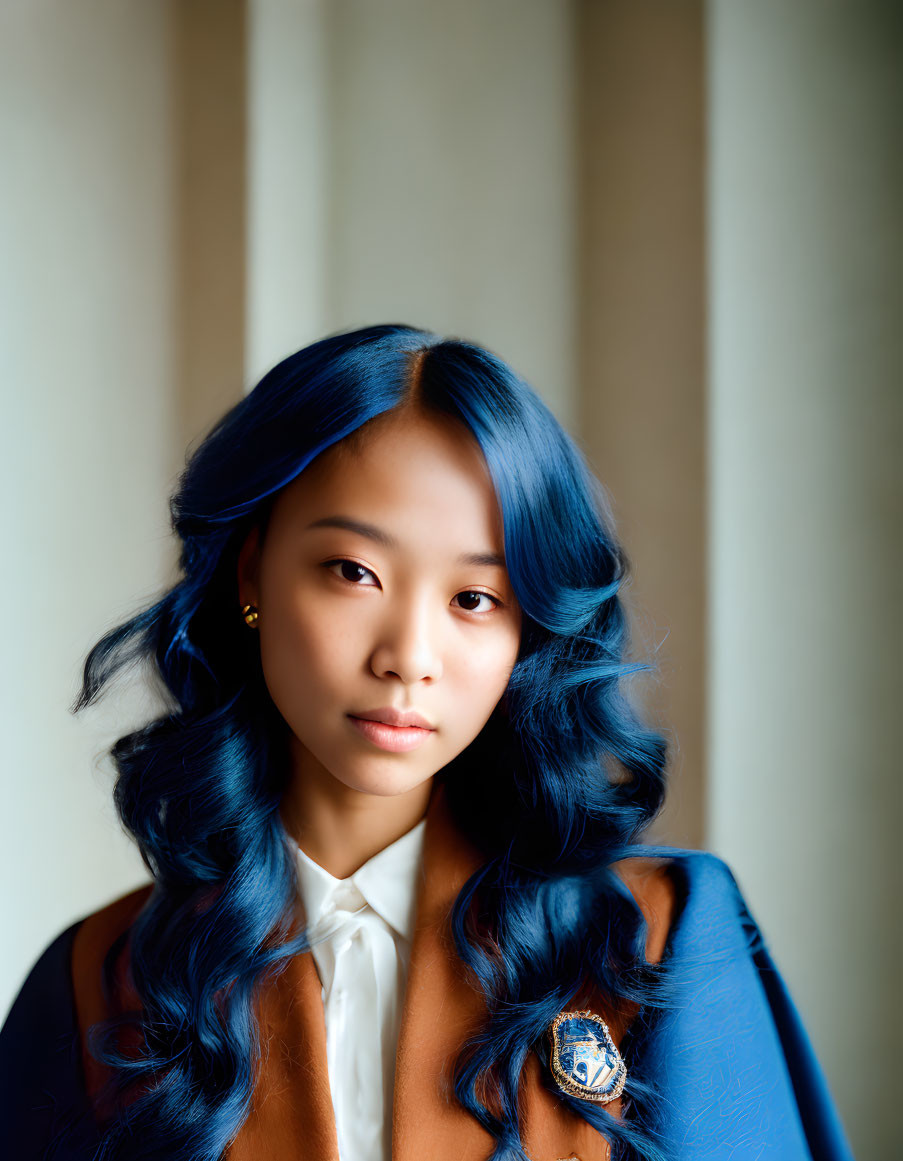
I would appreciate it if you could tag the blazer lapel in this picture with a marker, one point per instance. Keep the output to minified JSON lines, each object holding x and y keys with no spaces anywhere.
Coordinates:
{"x":291,"y":1116}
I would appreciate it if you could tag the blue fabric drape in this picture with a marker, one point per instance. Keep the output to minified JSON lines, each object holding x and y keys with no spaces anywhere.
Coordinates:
{"x":739,"y":1073}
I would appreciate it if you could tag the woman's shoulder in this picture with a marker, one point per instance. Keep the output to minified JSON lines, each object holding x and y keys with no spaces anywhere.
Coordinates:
{"x":92,"y":933}
{"x":41,"y":1091}
{"x":730,"y":1048}
{"x":43,"y":1104}
{"x":49,"y":995}
{"x":103,"y":930}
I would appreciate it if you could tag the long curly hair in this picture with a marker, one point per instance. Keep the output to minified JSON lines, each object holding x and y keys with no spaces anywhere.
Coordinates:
{"x":567,"y":778}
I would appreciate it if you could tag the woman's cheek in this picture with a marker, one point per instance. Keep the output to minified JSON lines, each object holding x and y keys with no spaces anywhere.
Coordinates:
{"x":489,"y":662}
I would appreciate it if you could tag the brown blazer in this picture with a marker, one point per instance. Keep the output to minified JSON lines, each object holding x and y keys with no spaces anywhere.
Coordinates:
{"x":292,"y":1116}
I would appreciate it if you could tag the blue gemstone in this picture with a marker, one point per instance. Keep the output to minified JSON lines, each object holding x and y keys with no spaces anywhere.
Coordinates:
{"x":584,"y":1055}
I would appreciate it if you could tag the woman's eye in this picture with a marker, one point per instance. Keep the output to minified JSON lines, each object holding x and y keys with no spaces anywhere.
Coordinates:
{"x":472,"y":595}
{"x":350,"y":571}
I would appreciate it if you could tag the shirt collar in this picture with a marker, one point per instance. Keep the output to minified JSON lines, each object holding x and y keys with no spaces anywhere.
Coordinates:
{"x":387,"y":882}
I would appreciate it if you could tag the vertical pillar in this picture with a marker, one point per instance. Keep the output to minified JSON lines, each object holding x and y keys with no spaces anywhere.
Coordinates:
{"x":209,"y":129}
{"x":641,"y":126}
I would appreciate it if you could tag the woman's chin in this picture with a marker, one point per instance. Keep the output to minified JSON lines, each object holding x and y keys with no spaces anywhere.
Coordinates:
{"x":387,"y":783}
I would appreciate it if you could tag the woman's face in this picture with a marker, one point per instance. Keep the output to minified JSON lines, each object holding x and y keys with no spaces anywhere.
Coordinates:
{"x":368,"y":601}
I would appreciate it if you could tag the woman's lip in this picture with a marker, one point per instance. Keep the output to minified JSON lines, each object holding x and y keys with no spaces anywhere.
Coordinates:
{"x":395,"y":738}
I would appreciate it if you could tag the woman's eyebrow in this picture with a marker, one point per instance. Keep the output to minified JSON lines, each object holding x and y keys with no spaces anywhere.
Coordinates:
{"x":473,"y":559}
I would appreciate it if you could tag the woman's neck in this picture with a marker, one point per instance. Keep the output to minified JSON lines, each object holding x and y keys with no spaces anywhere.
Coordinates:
{"x":341,"y":828}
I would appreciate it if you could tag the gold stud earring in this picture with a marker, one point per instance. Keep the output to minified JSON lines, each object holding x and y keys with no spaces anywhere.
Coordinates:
{"x":249,"y":612}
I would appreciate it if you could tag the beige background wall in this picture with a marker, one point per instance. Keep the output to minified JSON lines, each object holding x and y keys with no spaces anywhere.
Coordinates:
{"x":287,"y":188}
{"x":679,"y":221}
{"x":89,"y":369}
{"x":804,"y":517}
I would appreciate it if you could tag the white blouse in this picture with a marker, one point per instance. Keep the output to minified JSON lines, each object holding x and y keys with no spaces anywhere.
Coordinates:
{"x":360,"y":929}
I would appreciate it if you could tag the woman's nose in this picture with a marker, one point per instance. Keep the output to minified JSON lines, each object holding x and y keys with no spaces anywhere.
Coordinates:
{"x":408,"y":644}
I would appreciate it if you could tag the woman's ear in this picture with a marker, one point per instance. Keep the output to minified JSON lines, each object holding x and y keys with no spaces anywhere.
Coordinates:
{"x":249,"y":568}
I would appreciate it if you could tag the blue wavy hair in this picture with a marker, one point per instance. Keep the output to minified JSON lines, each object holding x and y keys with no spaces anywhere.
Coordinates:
{"x":566,"y":778}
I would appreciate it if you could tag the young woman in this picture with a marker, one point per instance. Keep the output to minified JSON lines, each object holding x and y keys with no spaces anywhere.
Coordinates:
{"x":399,"y":905}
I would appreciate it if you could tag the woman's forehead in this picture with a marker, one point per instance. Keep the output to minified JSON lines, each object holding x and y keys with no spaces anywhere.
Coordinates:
{"x":432,"y":456}
{"x":416,"y":473}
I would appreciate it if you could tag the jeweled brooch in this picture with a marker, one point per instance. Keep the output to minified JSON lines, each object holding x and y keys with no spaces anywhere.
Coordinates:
{"x":584,"y":1060}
